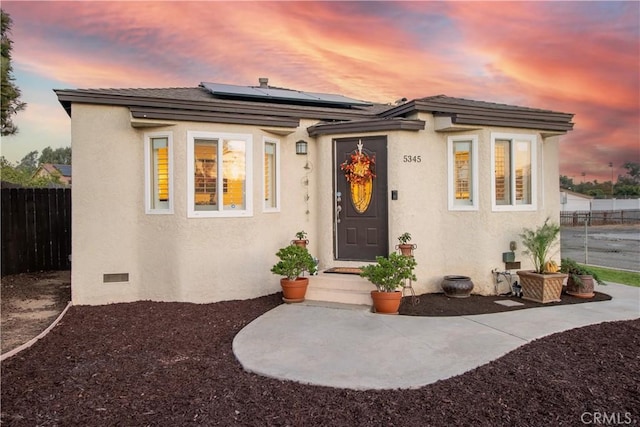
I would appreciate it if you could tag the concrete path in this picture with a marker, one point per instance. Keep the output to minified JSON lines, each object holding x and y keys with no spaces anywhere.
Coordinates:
{"x":353,"y":348}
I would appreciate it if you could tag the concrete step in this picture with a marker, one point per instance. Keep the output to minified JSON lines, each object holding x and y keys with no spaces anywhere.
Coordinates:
{"x":340,"y":288}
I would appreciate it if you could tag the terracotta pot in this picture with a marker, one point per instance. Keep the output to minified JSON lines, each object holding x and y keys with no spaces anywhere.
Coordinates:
{"x":301,"y":243}
{"x":457,"y":286}
{"x":584,"y":290}
{"x":406,"y":249}
{"x":294,"y":290}
{"x":386,"y":302}
{"x":542,"y":288}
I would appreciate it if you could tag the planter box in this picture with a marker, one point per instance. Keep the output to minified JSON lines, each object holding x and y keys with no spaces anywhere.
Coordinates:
{"x":542,"y":288}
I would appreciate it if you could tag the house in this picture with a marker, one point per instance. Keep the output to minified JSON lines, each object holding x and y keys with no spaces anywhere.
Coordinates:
{"x":207,"y":182}
{"x":50,"y":170}
{"x":571,"y":201}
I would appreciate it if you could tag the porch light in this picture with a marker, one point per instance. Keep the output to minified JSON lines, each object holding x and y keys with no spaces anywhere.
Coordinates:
{"x":301,"y":147}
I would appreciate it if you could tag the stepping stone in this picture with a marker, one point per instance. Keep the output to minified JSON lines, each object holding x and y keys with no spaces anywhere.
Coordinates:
{"x":508,"y":303}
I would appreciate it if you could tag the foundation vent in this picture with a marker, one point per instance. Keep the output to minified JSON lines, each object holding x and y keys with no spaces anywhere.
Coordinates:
{"x":115,"y":277}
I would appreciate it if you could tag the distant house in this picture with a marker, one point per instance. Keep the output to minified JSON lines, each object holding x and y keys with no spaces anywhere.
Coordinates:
{"x":570,"y":201}
{"x":205,"y":184}
{"x":49,"y":170}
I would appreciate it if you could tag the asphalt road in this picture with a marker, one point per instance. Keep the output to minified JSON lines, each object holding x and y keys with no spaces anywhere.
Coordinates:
{"x":614,"y":246}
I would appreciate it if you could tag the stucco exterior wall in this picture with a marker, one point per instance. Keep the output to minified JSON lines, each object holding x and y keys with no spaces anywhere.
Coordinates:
{"x":172,"y":257}
{"x":467,"y":243}
{"x":176,"y":258}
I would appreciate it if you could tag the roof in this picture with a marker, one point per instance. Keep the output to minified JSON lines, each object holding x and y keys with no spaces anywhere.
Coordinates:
{"x":579,"y":195}
{"x":469,"y":112}
{"x":65,"y":170}
{"x":266,"y":105}
{"x":281,"y":95}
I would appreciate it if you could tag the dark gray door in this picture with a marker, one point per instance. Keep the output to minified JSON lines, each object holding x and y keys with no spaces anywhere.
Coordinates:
{"x":361,"y":223}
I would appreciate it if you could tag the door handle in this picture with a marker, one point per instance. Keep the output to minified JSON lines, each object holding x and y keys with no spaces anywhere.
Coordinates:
{"x":338,"y":206}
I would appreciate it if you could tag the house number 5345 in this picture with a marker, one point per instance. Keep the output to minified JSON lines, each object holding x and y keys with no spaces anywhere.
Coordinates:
{"x":411,"y":159}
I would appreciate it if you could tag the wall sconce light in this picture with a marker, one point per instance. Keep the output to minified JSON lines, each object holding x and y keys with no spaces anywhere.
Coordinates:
{"x":301,"y":147}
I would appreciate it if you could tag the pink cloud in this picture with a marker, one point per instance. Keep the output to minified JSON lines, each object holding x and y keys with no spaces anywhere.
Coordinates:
{"x":553,"y":55}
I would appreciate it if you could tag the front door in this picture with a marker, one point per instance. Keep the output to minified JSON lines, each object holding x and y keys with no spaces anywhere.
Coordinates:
{"x":360,"y":220}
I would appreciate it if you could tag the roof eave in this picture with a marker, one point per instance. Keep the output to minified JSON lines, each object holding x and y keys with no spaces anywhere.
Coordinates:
{"x":366,"y":126}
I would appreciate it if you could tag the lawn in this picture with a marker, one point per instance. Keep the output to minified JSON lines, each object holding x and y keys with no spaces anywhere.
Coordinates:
{"x":617,"y":276}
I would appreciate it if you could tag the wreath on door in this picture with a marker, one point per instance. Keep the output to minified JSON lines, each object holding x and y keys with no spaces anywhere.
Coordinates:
{"x":359,"y":170}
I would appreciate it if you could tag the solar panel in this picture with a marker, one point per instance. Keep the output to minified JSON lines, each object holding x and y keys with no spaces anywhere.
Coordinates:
{"x":65,"y":170}
{"x":276,"y":94}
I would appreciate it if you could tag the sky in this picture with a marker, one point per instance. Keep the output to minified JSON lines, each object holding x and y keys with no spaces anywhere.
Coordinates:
{"x":573,"y":57}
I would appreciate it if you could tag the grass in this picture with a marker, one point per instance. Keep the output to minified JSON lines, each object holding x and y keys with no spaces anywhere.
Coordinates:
{"x":617,"y":276}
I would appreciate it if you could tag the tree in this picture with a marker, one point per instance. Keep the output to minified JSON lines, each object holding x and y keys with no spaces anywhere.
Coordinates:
{"x":22,"y":175}
{"x":29,"y":163}
{"x":59,"y":156}
{"x":633,"y":170}
{"x":10,"y":103}
{"x":566,"y":182}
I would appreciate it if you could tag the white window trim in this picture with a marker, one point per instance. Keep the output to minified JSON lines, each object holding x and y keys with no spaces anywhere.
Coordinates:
{"x":532,"y":139}
{"x":276,"y":142}
{"x":475,"y":195}
{"x":148,"y":196}
{"x":248,"y":139}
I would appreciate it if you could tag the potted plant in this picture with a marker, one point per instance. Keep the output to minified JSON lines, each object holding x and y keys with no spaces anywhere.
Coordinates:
{"x":301,"y":239}
{"x":404,"y":246}
{"x":294,"y":260}
{"x":541,"y":285}
{"x":388,"y":274}
{"x":580,"y":282}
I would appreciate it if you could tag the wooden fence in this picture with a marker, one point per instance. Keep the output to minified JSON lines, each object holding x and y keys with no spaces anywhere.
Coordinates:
{"x":577,"y":218}
{"x":36,"y":229}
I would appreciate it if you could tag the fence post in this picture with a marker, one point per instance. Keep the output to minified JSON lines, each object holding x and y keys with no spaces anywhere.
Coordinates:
{"x":586,"y":243}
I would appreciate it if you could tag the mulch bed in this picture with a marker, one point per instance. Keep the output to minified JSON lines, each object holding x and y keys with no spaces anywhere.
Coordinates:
{"x":441,"y":305}
{"x":148,"y":363}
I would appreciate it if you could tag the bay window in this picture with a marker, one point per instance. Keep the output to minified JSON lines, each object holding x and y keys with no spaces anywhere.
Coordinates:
{"x":462,"y":175}
{"x":219,"y":174}
{"x":271,"y":151}
{"x":513,"y":159}
{"x":158,"y":154}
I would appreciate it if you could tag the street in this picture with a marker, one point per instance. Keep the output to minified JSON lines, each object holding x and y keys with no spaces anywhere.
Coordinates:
{"x":614,"y":246}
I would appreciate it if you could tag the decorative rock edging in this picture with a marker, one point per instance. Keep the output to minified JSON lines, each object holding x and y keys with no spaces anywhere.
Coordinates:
{"x":32,"y":341}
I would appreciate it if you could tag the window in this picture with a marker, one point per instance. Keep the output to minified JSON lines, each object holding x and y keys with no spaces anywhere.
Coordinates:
{"x":513,"y":159}
{"x":271,"y":175}
{"x":463,"y":167}
{"x":219,"y":174}
{"x":158,"y":153}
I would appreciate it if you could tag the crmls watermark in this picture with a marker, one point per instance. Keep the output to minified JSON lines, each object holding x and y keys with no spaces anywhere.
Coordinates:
{"x":607,"y":418}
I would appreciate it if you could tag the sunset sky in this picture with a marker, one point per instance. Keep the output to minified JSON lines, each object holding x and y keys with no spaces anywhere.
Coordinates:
{"x":574,"y":57}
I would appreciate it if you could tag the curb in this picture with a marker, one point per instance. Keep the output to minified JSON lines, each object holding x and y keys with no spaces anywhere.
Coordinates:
{"x":39,"y":336}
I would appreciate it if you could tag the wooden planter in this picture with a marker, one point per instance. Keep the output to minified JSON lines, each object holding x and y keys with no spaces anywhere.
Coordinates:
{"x":584,"y":290}
{"x":386,"y":302}
{"x":542,"y":288}
{"x":294,"y":290}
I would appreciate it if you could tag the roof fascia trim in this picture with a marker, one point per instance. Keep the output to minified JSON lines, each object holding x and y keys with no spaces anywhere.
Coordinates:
{"x":366,"y":126}
{"x":212,"y":117}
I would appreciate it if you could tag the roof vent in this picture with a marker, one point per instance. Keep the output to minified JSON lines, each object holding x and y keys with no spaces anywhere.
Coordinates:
{"x":264,"y":81}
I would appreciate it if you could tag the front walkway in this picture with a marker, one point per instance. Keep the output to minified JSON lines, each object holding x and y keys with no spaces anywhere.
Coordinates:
{"x":354,"y":348}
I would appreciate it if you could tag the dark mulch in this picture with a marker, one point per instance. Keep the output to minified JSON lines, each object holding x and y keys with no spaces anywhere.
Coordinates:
{"x":441,"y":305}
{"x":164,"y":364}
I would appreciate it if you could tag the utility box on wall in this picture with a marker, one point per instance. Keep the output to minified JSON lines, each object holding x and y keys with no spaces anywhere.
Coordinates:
{"x":508,"y":256}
